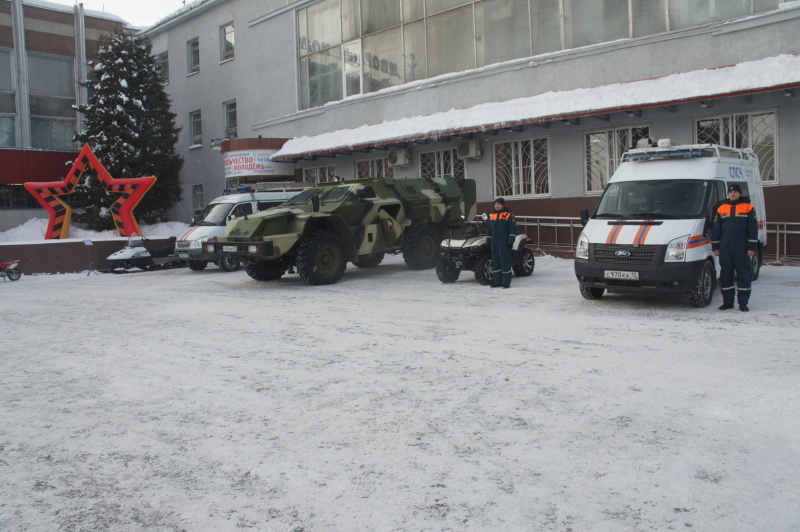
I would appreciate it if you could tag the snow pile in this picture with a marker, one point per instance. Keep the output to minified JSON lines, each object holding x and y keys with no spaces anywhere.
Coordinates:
{"x":33,"y":231}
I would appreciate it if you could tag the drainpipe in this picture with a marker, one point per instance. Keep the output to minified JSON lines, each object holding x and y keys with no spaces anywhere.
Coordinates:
{"x":21,"y":60}
{"x":80,"y":63}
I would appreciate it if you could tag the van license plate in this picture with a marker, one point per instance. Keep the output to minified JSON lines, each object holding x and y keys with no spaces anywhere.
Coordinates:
{"x":229,"y":249}
{"x":183,"y":255}
{"x":623,"y":276}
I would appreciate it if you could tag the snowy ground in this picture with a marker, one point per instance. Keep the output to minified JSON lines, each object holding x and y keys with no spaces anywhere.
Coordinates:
{"x":200,"y":401}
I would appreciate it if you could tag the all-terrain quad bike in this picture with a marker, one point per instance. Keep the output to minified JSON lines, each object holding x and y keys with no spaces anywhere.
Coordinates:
{"x":470,"y":251}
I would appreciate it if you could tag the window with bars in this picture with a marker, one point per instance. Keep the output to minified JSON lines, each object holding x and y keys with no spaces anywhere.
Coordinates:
{"x":198,"y":197}
{"x":320,"y":174}
{"x":374,"y":168}
{"x":443,"y":163}
{"x":231,"y":127}
{"x":604,"y":151}
{"x":756,"y":131}
{"x":522,"y":168}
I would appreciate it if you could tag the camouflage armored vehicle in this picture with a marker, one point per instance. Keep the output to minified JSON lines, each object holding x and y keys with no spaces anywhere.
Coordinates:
{"x":322,"y":228}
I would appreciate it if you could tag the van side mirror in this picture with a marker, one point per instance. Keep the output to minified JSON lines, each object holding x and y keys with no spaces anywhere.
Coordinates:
{"x":584,"y":217}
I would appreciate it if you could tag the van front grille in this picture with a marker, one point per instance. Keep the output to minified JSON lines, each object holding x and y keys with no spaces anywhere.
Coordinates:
{"x":610,"y":254}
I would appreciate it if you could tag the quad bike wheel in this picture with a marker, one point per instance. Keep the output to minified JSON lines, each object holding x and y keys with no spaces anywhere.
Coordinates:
{"x":483,"y":269}
{"x":446,"y":271}
{"x":228,"y":263}
{"x":197,"y":265}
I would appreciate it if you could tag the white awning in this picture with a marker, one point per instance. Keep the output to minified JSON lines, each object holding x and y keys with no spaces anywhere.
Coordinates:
{"x":774,"y":73}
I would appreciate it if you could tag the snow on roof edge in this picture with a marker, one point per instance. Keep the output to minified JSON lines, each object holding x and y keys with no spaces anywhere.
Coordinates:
{"x":44,"y":4}
{"x":778,"y":71}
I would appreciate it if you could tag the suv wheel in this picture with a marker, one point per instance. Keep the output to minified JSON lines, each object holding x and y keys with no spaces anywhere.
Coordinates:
{"x":197,"y":265}
{"x":421,"y":246}
{"x":321,"y":258}
{"x":700,"y":296}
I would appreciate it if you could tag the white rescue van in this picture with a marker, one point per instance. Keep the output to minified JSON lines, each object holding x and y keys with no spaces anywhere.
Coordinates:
{"x":211,"y":223}
{"x":651,"y":231}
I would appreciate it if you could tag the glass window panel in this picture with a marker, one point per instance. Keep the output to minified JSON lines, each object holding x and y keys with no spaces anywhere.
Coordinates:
{"x":594,"y":21}
{"x":383,"y":61}
{"x":227,"y":37}
{"x":351,"y":20}
{"x":51,"y":106}
{"x":193,"y":56}
{"x":352,"y":56}
{"x":352,"y":84}
{"x":196,"y":122}
{"x":731,"y":9}
{"x":546,"y":22}
{"x":50,"y":75}
{"x":231,"y":124}
{"x":5,"y":71}
{"x":687,"y":13}
{"x":598,"y":157}
{"x":649,"y":17}
{"x":7,"y":132}
{"x":437,"y":6}
{"x":302,"y":32}
{"x":304,"y":88}
{"x":415,"y":57}
{"x":502,"y":31}
{"x":765,"y":5}
{"x":325,"y":77}
{"x":377,"y":15}
{"x":163,"y":65}
{"x":521,"y":168}
{"x":450,"y":41}
{"x":52,"y":133}
{"x":7,"y":103}
{"x":413,"y":10}
{"x":324,"y":25}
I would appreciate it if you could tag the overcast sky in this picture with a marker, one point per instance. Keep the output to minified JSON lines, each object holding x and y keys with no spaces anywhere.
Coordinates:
{"x":136,"y":12}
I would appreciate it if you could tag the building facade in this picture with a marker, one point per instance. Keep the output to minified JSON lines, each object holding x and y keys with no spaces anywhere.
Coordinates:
{"x":44,"y":52}
{"x":381,"y":88}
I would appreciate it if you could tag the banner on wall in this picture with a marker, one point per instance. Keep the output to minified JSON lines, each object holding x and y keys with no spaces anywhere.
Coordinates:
{"x":255,"y":163}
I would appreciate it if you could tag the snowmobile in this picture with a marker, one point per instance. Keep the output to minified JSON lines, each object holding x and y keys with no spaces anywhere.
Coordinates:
{"x":9,"y":269}
{"x":471,"y":251}
{"x":138,"y":254}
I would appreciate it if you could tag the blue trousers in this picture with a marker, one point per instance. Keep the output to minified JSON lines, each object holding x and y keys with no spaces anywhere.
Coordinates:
{"x":731,"y":261}
{"x":501,"y":264}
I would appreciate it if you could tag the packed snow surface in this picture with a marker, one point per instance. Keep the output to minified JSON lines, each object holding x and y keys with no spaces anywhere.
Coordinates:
{"x":35,"y":229}
{"x":180,"y":400}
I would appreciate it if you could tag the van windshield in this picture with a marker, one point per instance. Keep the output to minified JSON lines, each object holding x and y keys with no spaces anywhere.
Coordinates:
{"x":664,"y":199}
{"x":214,"y":214}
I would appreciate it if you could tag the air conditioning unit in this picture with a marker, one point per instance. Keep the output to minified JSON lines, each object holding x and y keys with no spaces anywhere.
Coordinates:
{"x":401,"y":157}
{"x":469,"y":149}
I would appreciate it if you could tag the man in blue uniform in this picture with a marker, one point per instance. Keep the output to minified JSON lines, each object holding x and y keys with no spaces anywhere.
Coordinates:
{"x":734,"y":239}
{"x":502,"y":230}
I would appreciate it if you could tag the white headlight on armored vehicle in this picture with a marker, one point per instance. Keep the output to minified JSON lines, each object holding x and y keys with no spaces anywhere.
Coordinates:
{"x":253,"y":249}
{"x":676,"y":250}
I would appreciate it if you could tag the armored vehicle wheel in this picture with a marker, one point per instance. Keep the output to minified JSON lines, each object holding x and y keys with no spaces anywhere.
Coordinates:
{"x":321,"y":258}
{"x":700,"y":296}
{"x":369,"y":261}
{"x":483,"y":269}
{"x":589,"y":292}
{"x":445,"y":271}
{"x":525,"y":267}
{"x":197,"y":265}
{"x":265,"y":270}
{"x":421,"y":246}
{"x":227,"y":263}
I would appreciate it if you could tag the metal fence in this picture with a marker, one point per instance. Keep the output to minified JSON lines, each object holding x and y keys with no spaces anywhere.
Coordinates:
{"x":561,"y":232}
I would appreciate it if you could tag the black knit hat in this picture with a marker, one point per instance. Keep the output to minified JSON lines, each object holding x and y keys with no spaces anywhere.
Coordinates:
{"x":735,"y":187}
{"x":501,"y":201}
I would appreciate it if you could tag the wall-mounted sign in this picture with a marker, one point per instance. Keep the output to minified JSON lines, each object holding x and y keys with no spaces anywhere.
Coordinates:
{"x":255,"y":163}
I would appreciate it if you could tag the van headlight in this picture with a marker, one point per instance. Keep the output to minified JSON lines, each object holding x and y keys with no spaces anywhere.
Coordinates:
{"x":582,"y":250}
{"x":676,"y":250}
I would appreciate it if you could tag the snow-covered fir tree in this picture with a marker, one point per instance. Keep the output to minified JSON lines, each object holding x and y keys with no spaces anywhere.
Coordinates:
{"x":129,"y":126}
